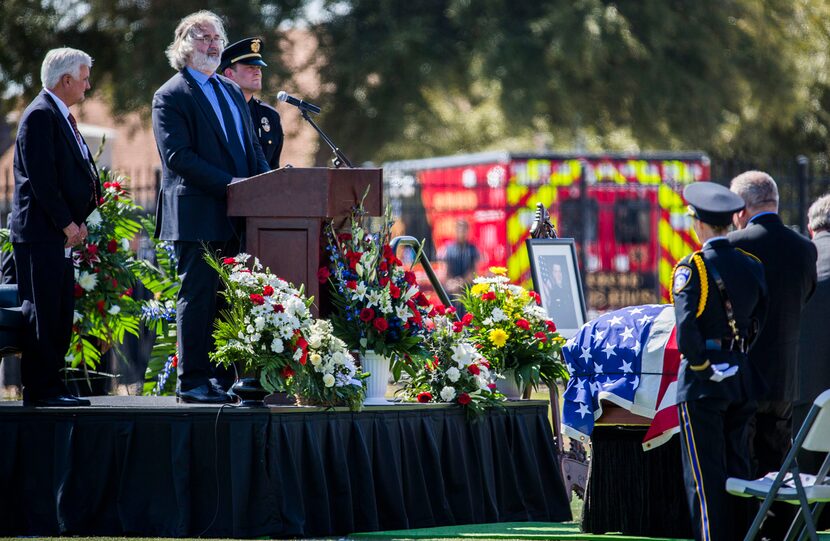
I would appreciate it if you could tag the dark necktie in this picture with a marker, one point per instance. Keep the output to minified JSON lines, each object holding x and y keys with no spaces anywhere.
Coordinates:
{"x":231,"y":134}
{"x":93,"y":181}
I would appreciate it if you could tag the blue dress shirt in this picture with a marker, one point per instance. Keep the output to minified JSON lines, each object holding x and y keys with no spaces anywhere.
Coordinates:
{"x":207,"y":89}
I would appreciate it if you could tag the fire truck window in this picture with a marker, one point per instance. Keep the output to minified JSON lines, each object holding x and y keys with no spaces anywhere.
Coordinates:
{"x":571,"y":223}
{"x":631,"y":221}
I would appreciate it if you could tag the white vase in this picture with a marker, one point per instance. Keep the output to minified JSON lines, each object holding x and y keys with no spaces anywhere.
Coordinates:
{"x":378,"y":366}
{"x":508,"y":386}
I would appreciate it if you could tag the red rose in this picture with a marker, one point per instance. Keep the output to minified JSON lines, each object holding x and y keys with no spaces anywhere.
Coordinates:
{"x":343,"y":237}
{"x":464,"y":399}
{"x":107,"y":185}
{"x":474,"y":369}
{"x":302,"y":345}
{"x":287,"y":372}
{"x":116,"y":185}
{"x":384,"y":266}
{"x":92,"y":249}
{"x":174,"y":361}
{"x":128,"y":293}
{"x":367,"y":315}
{"x":354,"y":258}
{"x":542,"y":337}
{"x":323,"y":274}
{"x":424,"y":397}
{"x":79,"y":291}
{"x":383,"y":281}
{"x":279,"y":308}
{"x":267,"y":291}
{"x":491,"y":386}
{"x":112,"y":246}
{"x":535,"y":296}
{"x":422,"y":300}
{"x":551,"y":326}
{"x":488,"y":296}
{"x":409,"y":277}
{"x":523,"y":324}
{"x":467,"y":319}
{"x":229,"y":261}
{"x":457,"y":326}
{"x":380,"y":324}
{"x":101,"y":201}
{"x":451,"y":310}
{"x":439,"y":309}
{"x":387,"y":252}
{"x":114,"y":283}
{"x":394,"y":291}
{"x":257,"y":299}
{"x":100,"y":306}
{"x":351,"y":284}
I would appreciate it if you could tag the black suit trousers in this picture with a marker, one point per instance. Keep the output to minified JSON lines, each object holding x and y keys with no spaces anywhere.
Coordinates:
{"x":196,"y":310}
{"x":715,"y":445}
{"x":46,"y":281}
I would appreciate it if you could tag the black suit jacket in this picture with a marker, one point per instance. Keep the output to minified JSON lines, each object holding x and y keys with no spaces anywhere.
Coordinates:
{"x":196,"y":160}
{"x":789,"y":261}
{"x":814,"y":345}
{"x":745,"y":286}
{"x":54,"y":184}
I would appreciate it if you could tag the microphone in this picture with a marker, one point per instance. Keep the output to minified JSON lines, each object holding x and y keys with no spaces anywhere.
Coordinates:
{"x":303,"y":105}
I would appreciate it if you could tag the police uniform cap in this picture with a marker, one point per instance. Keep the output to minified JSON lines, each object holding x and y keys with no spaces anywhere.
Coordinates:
{"x":244,"y":51}
{"x":712,"y":203}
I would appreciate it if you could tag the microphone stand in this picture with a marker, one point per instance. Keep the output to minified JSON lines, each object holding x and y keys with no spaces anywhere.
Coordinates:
{"x":339,"y":158}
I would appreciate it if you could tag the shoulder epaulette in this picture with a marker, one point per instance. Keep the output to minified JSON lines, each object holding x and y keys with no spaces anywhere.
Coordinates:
{"x":748,"y":254}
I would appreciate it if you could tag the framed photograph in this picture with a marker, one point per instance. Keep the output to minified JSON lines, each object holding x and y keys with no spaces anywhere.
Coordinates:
{"x":556,"y":279}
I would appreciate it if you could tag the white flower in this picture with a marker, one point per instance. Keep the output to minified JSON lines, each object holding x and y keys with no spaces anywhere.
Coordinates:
{"x":298,"y":354}
{"x":374,"y":298}
{"x":125,"y":245}
{"x":498,"y":315}
{"x":76,"y":317}
{"x":114,"y":309}
{"x":360,"y":291}
{"x":88,"y":281}
{"x":315,"y":359}
{"x":276,"y":345}
{"x":463,"y":354}
{"x":453,"y":374}
{"x":94,"y":219}
{"x":403,"y":312}
{"x":328,"y":380}
{"x":447,"y":394}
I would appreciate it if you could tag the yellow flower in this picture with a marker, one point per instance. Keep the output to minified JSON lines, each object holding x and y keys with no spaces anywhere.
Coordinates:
{"x":478,"y":289}
{"x":498,"y":271}
{"x":498,"y":337}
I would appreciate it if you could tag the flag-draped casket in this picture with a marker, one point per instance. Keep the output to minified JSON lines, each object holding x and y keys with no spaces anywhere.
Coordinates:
{"x":628,"y":357}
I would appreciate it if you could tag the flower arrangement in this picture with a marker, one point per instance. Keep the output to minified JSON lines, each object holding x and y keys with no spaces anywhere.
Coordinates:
{"x":377,"y":303}
{"x":264,"y":327}
{"x":512,"y":331}
{"x":330,"y":377}
{"x":104,"y":307}
{"x":457,"y":372}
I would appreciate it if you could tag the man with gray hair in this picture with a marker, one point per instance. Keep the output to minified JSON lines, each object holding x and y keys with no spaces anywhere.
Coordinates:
{"x":789,"y":261}
{"x":814,"y":345}
{"x":55,"y":189}
{"x":206,"y":140}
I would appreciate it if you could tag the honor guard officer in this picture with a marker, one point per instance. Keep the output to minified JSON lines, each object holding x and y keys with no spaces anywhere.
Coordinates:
{"x":719,"y":296}
{"x":242,"y":63}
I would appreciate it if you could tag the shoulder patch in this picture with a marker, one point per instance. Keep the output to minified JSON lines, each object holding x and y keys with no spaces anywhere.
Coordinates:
{"x":681,"y":278}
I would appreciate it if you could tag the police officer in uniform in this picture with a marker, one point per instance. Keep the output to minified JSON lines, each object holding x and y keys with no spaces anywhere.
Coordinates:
{"x":242,"y":63}
{"x":719,"y":296}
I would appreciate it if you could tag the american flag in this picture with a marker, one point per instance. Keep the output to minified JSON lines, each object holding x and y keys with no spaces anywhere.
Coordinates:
{"x":628,"y":357}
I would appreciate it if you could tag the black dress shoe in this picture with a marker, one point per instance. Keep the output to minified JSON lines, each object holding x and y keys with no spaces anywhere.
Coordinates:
{"x":203,"y":394}
{"x":59,"y":401}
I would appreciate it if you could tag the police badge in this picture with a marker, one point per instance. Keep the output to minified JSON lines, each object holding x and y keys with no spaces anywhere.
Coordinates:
{"x":265,"y":124}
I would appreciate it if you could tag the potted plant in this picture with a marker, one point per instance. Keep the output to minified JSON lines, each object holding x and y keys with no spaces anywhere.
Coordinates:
{"x":457,"y":372}
{"x":378,"y":309}
{"x":263,"y":328}
{"x":513,"y":332}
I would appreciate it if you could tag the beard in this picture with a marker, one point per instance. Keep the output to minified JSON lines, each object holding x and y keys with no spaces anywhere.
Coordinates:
{"x":205,"y":62}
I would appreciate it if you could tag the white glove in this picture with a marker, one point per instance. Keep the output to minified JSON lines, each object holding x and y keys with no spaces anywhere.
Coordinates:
{"x":722,"y":371}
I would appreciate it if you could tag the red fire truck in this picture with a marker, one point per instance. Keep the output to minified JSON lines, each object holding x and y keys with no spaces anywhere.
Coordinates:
{"x":625,"y":211}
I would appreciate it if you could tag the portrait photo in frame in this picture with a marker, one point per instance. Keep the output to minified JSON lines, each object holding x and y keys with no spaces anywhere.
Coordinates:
{"x":555,"y":273}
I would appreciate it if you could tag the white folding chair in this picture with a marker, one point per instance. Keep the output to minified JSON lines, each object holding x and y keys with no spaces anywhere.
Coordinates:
{"x":791,"y":486}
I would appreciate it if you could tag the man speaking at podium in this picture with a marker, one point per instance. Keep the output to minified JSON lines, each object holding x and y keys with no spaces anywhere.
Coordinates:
{"x":206,"y":140}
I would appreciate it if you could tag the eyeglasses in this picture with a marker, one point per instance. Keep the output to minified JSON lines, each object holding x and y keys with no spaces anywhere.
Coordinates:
{"x":207,"y":40}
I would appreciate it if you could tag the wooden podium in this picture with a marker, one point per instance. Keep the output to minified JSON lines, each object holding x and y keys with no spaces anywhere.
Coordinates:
{"x":285,"y":209}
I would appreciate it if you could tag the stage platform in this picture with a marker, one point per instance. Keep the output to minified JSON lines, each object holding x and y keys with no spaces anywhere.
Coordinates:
{"x":143,"y":466}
